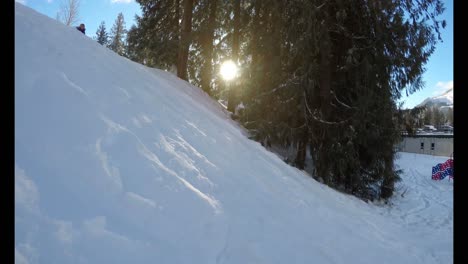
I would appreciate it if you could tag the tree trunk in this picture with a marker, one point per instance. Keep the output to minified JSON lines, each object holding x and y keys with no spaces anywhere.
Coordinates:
{"x":207,"y":43}
{"x":254,"y":65}
{"x":185,"y":40}
{"x":231,"y":107}
{"x":177,"y":17}
{"x":255,"y":37}
{"x":322,"y":101}
{"x":235,"y":36}
{"x":301,"y":152}
{"x":388,"y":184}
{"x":325,"y":74}
{"x":232,"y":92}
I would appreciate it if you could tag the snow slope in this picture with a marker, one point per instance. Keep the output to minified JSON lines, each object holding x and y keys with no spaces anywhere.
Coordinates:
{"x":119,"y":163}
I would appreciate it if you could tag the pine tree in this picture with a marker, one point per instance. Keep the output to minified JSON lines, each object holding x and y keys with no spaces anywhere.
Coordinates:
{"x":101,"y":35}
{"x":347,"y":65}
{"x":428,"y":116}
{"x":409,"y":119}
{"x":450,"y":116}
{"x":438,"y":117}
{"x":135,"y":50}
{"x":155,"y":39}
{"x":118,"y":36}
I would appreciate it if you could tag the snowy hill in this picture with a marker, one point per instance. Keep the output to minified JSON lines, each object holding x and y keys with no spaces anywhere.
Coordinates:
{"x":119,"y":163}
{"x":443,"y":100}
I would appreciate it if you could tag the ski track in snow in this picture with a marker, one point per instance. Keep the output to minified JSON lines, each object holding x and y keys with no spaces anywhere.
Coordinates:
{"x":151,"y":156}
{"x":74,"y":85}
{"x":195,"y":127}
{"x":125,"y":92}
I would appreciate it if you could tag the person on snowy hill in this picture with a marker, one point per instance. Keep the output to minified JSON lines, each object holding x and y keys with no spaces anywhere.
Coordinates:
{"x":81,"y":28}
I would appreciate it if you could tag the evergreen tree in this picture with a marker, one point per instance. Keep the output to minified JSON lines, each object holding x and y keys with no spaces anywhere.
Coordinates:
{"x":428,"y":116}
{"x":450,"y":116}
{"x":438,"y":117}
{"x":118,"y":36}
{"x":348,"y":63}
{"x":155,"y":39}
{"x":101,"y":35}
{"x":410,"y":119}
{"x":135,"y":51}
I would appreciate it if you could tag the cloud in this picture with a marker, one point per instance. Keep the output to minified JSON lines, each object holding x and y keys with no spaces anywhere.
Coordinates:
{"x":138,"y":199}
{"x":25,"y":253}
{"x":26,"y":192}
{"x":64,"y":231}
{"x":97,"y":228}
{"x":121,"y":1}
{"x":50,"y":1}
{"x":20,"y":258}
{"x":445,"y":85}
{"x":442,"y":87}
{"x":95,"y":224}
{"x":21,"y":1}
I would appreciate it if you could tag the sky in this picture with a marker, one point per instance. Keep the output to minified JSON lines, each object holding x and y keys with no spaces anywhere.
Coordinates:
{"x":116,"y":162}
{"x":439,"y":70}
{"x":91,"y":12}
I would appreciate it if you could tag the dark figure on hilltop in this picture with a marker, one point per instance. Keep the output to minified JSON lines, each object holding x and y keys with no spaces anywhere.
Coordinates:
{"x":81,"y":28}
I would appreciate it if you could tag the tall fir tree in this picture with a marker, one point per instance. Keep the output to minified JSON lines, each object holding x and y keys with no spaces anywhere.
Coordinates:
{"x":101,"y":34}
{"x":450,"y":116}
{"x":135,"y":49}
{"x":155,"y":39}
{"x":347,"y":65}
{"x":118,"y":36}
{"x":428,"y":116}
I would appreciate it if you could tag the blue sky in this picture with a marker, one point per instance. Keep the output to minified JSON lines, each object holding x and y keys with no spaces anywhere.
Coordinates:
{"x":438,"y":76}
{"x":439,"y":70}
{"x":91,"y":12}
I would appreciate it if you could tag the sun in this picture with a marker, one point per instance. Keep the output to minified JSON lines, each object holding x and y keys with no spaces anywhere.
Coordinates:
{"x":228,"y":70}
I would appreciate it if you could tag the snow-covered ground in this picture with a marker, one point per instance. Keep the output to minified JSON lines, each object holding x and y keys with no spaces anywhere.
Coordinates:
{"x":423,"y":205}
{"x":119,"y":163}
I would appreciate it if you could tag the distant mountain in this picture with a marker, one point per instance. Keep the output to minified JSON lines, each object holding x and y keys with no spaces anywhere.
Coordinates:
{"x":444,"y":100}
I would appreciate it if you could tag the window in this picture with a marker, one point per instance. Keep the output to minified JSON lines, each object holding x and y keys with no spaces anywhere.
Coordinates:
{"x":432,"y":146}
{"x":422,"y":145}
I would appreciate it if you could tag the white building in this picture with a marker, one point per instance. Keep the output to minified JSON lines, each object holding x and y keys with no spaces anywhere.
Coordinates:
{"x":430,"y":144}
{"x":429,"y":128}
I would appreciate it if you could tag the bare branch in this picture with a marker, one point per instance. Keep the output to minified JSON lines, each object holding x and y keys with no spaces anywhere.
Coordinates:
{"x":343,"y":104}
{"x":318,"y":119}
{"x":68,"y":12}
